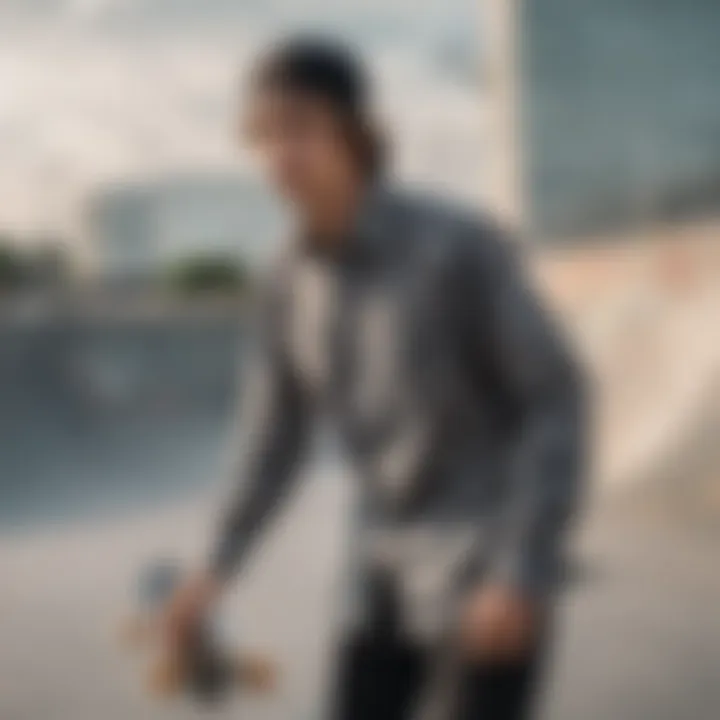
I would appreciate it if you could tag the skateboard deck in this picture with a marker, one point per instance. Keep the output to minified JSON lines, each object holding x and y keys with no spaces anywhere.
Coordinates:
{"x":207,"y":671}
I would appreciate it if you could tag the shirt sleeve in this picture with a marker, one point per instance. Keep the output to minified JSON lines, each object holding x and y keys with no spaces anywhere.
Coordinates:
{"x":272,"y":430}
{"x":518,"y":343}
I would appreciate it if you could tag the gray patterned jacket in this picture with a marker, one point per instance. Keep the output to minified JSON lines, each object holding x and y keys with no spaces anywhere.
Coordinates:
{"x":458,"y":403}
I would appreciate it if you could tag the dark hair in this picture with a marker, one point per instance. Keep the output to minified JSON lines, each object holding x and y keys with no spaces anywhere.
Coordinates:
{"x":367,"y":146}
{"x":331,"y":73}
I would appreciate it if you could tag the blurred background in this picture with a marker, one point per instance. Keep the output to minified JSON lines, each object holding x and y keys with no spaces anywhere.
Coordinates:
{"x":132,"y":228}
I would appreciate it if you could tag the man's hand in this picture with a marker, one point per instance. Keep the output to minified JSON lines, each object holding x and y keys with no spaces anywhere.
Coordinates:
{"x":182,"y":619}
{"x":498,"y":624}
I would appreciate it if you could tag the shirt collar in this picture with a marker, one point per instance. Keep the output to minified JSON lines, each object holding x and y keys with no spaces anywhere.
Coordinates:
{"x":369,"y":236}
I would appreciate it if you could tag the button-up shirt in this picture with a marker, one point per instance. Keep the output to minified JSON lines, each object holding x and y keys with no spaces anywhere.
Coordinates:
{"x":453,"y":393}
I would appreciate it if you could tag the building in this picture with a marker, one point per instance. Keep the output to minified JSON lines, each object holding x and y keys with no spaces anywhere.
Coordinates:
{"x":605,"y":115}
{"x":138,"y":228}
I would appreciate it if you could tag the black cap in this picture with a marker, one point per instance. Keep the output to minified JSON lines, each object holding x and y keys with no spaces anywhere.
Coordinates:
{"x":317,"y":67}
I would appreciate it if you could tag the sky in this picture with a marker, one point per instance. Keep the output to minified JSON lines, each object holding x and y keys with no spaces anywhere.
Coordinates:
{"x":96,"y":91}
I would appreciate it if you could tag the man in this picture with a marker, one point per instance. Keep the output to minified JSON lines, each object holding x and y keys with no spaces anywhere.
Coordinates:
{"x":413,"y":327}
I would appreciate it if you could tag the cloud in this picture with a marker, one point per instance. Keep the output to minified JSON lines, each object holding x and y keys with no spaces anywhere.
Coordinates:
{"x":79,"y":107}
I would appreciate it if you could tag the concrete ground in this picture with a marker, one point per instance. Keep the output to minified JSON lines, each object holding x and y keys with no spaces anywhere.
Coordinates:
{"x":639,"y":638}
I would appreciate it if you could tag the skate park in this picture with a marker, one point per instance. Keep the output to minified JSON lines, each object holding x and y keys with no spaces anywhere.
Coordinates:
{"x":116,"y":432}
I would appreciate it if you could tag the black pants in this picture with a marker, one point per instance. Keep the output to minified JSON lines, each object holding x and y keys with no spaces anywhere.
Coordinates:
{"x":380,"y":678}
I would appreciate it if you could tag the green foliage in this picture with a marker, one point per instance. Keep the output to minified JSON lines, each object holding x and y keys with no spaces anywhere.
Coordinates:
{"x":13,"y":269}
{"x":50,"y":264}
{"x":208,"y":275}
{"x":39,"y":267}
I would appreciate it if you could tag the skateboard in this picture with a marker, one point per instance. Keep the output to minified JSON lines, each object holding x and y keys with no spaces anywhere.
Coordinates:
{"x":208,"y":671}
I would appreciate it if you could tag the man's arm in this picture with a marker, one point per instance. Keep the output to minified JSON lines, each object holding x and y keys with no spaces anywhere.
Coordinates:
{"x":514,"y":337}
{"x":274,"y":427}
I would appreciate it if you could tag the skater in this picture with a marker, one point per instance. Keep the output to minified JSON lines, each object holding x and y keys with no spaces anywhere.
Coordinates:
{"x":411,"y":325}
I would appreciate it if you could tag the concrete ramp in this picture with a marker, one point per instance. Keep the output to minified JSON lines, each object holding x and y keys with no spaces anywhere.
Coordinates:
{"x":644,"y":313}
{"x":101,"y":415}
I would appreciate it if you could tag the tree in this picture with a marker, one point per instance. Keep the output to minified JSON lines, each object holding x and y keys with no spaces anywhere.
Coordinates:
{"x":49,"y":263}
{"x":209,"y":274}
{"x":13,"y":270}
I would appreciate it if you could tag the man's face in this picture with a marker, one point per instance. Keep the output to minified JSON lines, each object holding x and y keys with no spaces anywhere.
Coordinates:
{"x":299,"y":145}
